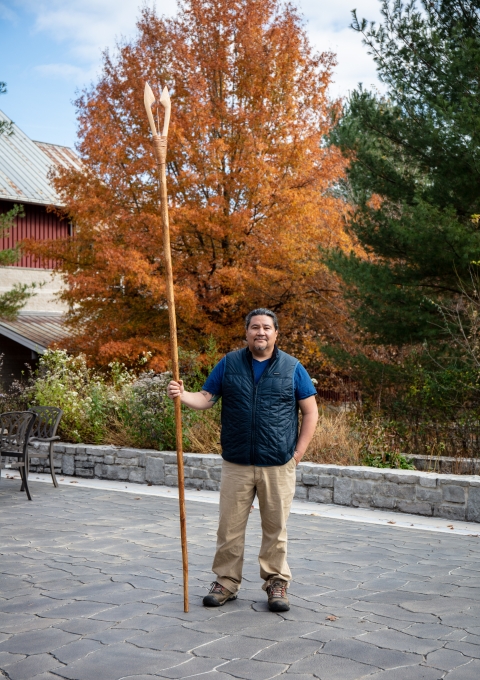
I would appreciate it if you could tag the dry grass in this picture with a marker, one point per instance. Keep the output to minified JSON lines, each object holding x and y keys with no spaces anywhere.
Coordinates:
{"x":204,"y":434}
{"x":333,"y":441}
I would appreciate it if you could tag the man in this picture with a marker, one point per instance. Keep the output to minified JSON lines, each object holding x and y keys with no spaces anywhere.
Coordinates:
{"x":261,"y":389}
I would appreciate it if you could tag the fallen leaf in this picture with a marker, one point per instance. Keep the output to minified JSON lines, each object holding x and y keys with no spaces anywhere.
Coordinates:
{"x":331,"y":618}
{"x":391,"y":522}
{"x":137,"y":498}
{"x":74,"y":482}
{"x":149,"y":483}
{"x":62,"y":479}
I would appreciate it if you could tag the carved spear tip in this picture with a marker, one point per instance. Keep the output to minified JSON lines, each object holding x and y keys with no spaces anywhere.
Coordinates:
{"x":149,"y":100}
{"x":165,"y":102}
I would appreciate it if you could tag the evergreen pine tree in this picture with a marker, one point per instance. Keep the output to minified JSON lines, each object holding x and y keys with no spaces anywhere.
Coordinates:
{"x":414,"y":178}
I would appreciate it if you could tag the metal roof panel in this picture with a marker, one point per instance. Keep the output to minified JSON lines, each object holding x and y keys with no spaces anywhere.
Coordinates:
{"x":25,"y":166}
{"x":35,"y":331}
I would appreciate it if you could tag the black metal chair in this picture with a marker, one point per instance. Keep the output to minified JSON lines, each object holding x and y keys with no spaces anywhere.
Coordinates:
{"x":15,"y":429}
{"x":45,"y":431}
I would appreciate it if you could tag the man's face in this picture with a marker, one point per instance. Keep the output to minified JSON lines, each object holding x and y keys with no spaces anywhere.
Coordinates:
{"x":261,"y":335}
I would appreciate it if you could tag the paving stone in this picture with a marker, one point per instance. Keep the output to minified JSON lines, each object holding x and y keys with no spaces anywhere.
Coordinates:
{"x":392,"y":639}
{"x":280,"y":630}
{"x":120,"y":660}
{"x":470,"y":671}
{"x":195,"y":666}
{"x":253,"y":670}
{"x":288,"y":652}
{"x":409,"y":673}
{"x":18,"y":623}
{"x":328,"y":667}
{"x":472,"y":651}
{"x":75,"y":609}
{"x":175,"y":638}
{"x":76,"y":650}
{"x":37,"y":641}
{"x":446,"y":659}
{"x":82,"y":626}
{"x":32,"y":666}
{"x":369,"y":654}
{"x":233,"y":646}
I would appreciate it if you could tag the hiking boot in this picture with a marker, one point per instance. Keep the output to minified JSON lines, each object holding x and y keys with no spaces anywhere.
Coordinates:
{"x":277,"y":596}
{"x":217,"y":596}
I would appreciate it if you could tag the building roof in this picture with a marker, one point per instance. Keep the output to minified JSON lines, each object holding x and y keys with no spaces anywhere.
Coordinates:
{"x":25,"y":166}
{"x":35,"y":331}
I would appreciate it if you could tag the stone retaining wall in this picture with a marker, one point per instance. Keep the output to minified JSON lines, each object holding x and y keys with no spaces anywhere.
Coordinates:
{"x":455,"y":497}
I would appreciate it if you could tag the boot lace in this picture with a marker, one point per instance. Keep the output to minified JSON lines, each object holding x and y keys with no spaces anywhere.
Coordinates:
{"x":216,"y":587}
{"x":278,"y":589}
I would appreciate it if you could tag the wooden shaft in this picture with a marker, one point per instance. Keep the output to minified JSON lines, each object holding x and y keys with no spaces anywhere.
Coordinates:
{"x":160,"y":148}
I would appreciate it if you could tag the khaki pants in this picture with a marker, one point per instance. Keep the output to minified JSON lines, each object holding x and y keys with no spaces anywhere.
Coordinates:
{"x":275,"y":487}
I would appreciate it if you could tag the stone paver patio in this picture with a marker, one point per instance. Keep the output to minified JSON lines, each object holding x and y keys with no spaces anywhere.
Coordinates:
{"x":91,"y":590}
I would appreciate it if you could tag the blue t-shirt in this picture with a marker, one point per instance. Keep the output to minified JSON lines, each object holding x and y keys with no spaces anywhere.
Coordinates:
{"x":302,"y":382}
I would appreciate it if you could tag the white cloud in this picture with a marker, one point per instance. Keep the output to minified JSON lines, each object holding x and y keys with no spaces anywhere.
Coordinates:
{"x":68,"y":72}
{"x":87,"y":27}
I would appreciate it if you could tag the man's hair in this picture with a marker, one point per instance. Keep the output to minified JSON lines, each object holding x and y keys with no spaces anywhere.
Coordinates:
{"x":261,"y":311}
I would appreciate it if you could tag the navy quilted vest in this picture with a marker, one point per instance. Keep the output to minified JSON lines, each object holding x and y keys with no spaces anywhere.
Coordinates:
{"x":259,"y":422}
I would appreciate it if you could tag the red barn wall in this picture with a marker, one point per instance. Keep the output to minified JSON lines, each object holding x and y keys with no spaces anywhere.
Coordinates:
{"x":37,"y":224}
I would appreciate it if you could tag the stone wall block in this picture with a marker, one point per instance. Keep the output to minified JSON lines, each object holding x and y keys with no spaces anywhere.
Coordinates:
{"x":473,"y":505}
{"x":428,"y":481}
{"x":171,"y":480}
{"x":402,"y":478}
{"x":68,"y":465}
{"x":170,"y":470}
{"x":137,"y":475}
{"x":404,"y":492}
{"x":81,"y":472}
{"x":198,"y":473}
{"x":117,"y":472}
{"x":211,"y":485}
{"x":429,"y":494}
{"x":361,"y":501}
{"x":363,"y":487}
{"x":301,"y":493}
{"x":352,"y":472}
{"x":320,"y":495}
{"x":342,"y":491}
{"x":450,"y":511}
{"x":215,"y":474}
{"x":415,"y":507}
{"x":375,"y":475}
{"x":453,"y":493}
{"x":325,"y":481}
{"x":386,"y":502}
{"x":154,"y":470}
{"x":310,"y":480}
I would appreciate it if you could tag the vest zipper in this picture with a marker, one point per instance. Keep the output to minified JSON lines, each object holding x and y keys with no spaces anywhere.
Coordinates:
{"x":267,"y":370}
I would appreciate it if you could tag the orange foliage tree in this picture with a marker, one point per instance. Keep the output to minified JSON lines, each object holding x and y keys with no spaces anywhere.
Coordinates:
{"x":250,"y":180}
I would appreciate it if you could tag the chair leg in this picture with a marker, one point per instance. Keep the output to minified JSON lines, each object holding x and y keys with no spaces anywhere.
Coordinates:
{"x":52,"y":468}
{"x":22,"y":488}
{"x":24,"y":476}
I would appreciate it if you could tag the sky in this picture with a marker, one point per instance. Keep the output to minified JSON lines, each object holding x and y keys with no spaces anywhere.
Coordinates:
{"x":51,"y":49}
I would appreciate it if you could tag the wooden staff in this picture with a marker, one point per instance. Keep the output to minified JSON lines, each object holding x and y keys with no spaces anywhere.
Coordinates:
{"x":160,"y":149}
